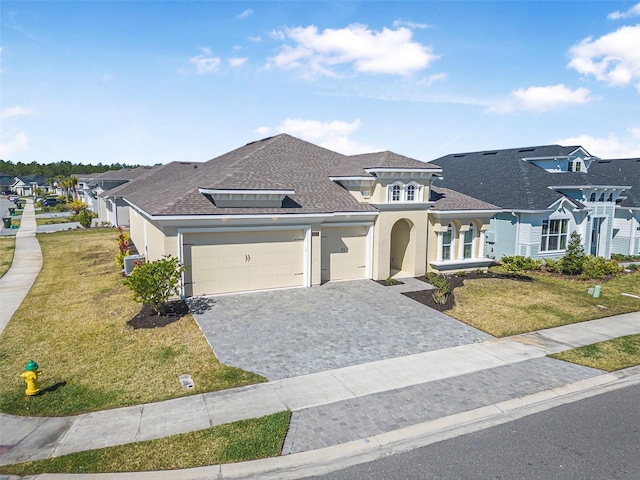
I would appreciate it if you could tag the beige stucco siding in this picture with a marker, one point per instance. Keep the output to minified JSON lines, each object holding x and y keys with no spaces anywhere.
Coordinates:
{"x":222,"y":262}
{"x":409,"y":241}
{"x":344,"y":253}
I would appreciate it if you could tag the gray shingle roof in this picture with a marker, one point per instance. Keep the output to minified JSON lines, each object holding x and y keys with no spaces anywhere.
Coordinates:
{"x":280,"y":162}
{"x":355,"y":165}
{"x":502,"y":178}
{"x":623,"y":171}
{"x":447,"y":199}
{"x":122,"y":174}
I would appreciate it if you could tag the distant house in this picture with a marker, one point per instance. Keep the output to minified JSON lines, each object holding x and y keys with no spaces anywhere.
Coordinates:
{"x":546,"y":193}
{"x":95,"y":188}
{"x":28,"y":184}
{"x":6,"y":181}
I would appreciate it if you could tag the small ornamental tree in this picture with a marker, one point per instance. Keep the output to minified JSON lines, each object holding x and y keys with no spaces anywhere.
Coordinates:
{"x":153,"y":283}
{"x":573,"y":261}
{"x":77,"y":206}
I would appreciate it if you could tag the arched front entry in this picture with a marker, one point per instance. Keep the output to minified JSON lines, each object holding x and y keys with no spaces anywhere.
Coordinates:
{"x":401,"y":253}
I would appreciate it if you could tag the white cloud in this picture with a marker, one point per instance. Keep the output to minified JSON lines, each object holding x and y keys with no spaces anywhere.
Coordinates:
{"x":356,"y":46}
{"x":205,"y":63}
{"x":247,"y":13}
{"x":541,"y":99}
{"x":333,"y":135}
{"x":12,"y":142}
{"x":632,"y":12}
{"x":256,"y":39}
{"x":237,"y":61}
{"x":609,"y":147}
{"x":431,"y":79}
{"x":17,"y":111}
{"x":613,"y":58}
{"x":410,"y":24}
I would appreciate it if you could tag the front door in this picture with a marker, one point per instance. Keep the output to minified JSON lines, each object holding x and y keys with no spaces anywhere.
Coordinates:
{"x":595,"y":236}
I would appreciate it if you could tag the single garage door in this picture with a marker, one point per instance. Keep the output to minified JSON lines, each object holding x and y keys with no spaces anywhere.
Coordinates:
{"x":344,"y":253}
{"x":242,"y":261}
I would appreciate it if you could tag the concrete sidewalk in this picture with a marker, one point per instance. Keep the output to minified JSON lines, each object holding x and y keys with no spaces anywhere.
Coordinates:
{"x":38,"y":438}
{"x":27,"y":262}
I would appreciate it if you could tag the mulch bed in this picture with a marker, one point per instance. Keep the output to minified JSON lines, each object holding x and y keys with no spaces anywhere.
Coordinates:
{"x":147,"y":318}
{"x":426,"y":296}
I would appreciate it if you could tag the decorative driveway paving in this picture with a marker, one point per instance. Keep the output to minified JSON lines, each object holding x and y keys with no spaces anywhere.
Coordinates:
{"x":286,"y":333}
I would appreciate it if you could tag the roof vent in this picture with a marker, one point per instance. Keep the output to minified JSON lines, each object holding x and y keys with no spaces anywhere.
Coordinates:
{"x":530,"y":149}
{"x":459,"y":155}
{"x":490,"y":153}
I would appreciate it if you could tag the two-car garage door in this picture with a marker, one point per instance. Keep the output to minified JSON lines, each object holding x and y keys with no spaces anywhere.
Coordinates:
{"x":225,"y":262}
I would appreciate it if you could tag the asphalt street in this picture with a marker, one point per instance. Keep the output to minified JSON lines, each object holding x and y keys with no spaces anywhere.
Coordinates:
{"x":595,"y":438}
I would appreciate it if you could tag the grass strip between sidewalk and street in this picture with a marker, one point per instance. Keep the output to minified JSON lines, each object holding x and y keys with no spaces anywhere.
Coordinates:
{"x":73,"y":324}
{"x":7,"y":248}
{"x":611,"y":355}
{"x":52,"y":220}
{"x":503,"y":306}
{"x":233,"y":442}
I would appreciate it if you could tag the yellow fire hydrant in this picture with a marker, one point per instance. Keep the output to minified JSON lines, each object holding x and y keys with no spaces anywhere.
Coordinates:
{"x":30,"y":376}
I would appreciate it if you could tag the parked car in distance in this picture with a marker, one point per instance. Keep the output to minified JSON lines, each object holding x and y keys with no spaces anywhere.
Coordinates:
{"x":51,"y":202}
{"x":13,"y":198}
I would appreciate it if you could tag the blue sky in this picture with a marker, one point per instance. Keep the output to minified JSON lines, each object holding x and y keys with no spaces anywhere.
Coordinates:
{"x":153,"y":82}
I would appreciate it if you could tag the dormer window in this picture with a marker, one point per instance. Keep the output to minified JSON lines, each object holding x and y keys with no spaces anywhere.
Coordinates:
{"x":411,"y":193}
{"x":610,"y":198}
{"x":396,"y":193}
{"x":574,"y":165}
{"x":399,"y":192}
{"x":592,"y":197}
{"x":602,"y":197}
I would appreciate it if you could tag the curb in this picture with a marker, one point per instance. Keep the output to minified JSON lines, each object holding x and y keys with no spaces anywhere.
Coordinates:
{"x":338,"y":457}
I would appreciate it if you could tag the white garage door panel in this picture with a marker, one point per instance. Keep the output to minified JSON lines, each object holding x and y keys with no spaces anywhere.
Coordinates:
{"x":241,"y":261}
{"x":344,"y":253}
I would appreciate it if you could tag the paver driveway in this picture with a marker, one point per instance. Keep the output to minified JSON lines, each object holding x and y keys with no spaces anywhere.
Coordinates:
{"x":285,"y":333}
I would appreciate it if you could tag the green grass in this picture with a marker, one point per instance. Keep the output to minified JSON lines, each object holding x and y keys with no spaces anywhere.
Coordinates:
{"x":73,"y":323}
{"x":233,"y":442}
{"x":610,"y":355}
{"x":503,"y":307}
{"x":52,"y":221}
{"x":7,"y":247}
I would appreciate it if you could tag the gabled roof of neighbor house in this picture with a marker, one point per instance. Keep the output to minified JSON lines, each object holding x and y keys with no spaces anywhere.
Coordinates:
{"x":504,"y":178}
{"x":31,"y":178}
{"x":623,"y":171}
{"x":451,"y":200}
{"x":123,"y":174}
{"x":280,"y":163}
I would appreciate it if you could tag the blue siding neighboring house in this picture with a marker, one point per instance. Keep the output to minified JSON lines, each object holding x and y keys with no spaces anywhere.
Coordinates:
{"x":548,"y":192}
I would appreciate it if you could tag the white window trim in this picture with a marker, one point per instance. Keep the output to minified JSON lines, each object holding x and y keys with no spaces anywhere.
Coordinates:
{"x":568,"y":234}
{"x":417,"y":196}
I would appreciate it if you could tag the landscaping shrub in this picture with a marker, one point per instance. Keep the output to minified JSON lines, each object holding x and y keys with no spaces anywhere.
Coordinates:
{"x":124,"y":246}
{"x":553,"y":265}
{"x":519,"y":264}
{"x":599,"y":267}
{"x":441,"y":285}
{"x":85,"y":218}
{"x":572,"y":262}
{"x":153,"y":283}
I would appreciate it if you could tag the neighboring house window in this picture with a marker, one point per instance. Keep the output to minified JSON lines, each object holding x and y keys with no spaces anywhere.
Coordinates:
{"x":468,"y":242}
{"x":396,"y":193}
{"x":592,"y":198}
{"x":447,"y":237}
{"x":610,"y":199}
{"x":554,"y":235}
{"x":411,"y":193}
{"x":602,"y":197}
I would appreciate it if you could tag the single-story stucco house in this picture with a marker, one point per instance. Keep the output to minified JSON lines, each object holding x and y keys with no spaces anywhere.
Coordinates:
{"x":282,"y":212}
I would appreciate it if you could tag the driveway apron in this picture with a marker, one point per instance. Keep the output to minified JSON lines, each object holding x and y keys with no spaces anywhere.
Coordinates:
{"x":286,"y":333}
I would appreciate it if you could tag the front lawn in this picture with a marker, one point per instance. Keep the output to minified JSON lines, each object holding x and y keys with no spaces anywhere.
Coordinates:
{"x":503,"y":306}
{"x":73,"y":323}
{"x":7,"y":247}
{"x":611,"y":355}
{"x":233,"y":442}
